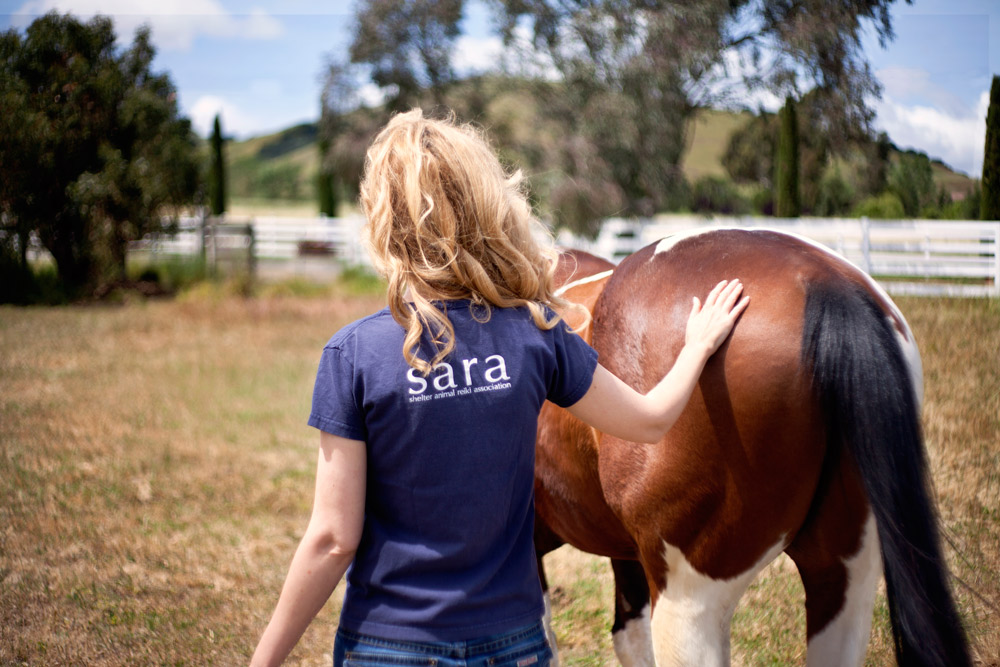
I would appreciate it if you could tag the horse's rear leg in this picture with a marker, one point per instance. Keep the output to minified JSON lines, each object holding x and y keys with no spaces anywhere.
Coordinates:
{"x":631,"y":632}
{"x":837,"y":555}
{"x":692,"y":614}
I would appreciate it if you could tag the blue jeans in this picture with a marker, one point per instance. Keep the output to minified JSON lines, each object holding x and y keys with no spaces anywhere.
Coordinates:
{"x":526,"y":647}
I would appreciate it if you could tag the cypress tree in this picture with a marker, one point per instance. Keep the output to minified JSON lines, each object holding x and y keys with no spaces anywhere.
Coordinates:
{"x":989,"y":203}
{"x":880,"y":171}
{"x":325,"y":188}
{"x":217,"y":173}
{"x":786,"y":181}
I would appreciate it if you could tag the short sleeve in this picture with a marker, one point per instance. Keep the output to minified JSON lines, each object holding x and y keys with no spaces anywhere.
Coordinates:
{"x":334,"y":404}
{"x":575,"y":365}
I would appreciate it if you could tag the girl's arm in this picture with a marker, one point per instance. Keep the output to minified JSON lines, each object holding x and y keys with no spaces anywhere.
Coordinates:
{"x":613,"y":407}
{"x":326,"y":549}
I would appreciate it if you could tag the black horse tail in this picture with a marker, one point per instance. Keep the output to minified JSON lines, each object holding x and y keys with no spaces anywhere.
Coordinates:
{"x":869,"y":402}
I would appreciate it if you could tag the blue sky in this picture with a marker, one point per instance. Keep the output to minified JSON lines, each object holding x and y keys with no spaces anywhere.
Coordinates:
{"x":260,"y":63}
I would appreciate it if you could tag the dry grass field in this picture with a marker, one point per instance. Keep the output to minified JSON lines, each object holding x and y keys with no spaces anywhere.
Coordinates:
{"x":156,"y":474}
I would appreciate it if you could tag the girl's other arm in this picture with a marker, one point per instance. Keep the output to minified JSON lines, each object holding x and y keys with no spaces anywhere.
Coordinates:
{"x":613,"y":407}
{"x":326,"y":548}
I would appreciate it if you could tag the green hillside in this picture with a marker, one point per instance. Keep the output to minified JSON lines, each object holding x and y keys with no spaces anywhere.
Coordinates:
{"x":708,"y":138}
{"x":276,"y":173}
{"x":955,"y":183}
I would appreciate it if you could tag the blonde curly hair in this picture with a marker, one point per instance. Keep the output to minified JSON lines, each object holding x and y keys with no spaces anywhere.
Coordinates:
{"x":445,"y":221}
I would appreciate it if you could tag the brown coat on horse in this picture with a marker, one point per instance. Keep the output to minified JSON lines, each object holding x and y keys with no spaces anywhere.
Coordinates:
{"x":803,"y":436}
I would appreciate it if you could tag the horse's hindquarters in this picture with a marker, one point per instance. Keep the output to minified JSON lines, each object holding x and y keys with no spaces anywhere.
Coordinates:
{"x":737,"y":473}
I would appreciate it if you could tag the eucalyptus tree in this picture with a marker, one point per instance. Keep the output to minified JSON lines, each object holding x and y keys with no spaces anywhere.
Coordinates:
{"x":635,"y":71}
{"x":408,"y":46}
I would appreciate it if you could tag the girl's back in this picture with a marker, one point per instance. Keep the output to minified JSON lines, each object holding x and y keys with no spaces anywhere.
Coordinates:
{"x":447,"y":549}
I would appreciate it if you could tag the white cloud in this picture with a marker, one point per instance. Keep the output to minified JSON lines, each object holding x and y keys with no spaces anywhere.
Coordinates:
{"x":244,"y":116}
{"x":477,"y":54}
{"x":261,"y":25}
{"x":726,"y":85}
{"x":174,"y":23}
{"x":371,"y":95}
{"x":234,"y":121}
{"x":521,"y":58}
{"x":957,"y":139}
{"x":914,"y":86}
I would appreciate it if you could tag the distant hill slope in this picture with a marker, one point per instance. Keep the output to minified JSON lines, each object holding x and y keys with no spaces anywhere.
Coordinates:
{"x":708,"y":140}
{"x":283,"y":166}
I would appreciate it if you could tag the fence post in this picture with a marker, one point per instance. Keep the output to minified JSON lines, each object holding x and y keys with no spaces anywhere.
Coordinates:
{"x":866,"y":244}
{"x":251,"y":253}
{"x":202,"y":251}
{"x":213,"y":234}
{"x":996,"y":259}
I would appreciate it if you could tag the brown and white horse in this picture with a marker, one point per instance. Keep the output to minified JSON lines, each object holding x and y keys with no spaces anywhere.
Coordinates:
{"x":802,"y":437}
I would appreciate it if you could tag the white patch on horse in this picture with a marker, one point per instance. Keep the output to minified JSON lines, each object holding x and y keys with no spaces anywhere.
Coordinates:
{"x":550,"y":635}
{"x":912,"y":357}
{"x":634,"y":642}
{"x":844,"y":641}
{"x":584,"y":281}
{"x":693,"y":613}
{"x":669,"y":242}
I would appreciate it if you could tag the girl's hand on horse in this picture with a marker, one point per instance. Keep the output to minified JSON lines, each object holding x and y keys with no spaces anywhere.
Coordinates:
{"x":710,"y":324}
{"x":614,"y":407}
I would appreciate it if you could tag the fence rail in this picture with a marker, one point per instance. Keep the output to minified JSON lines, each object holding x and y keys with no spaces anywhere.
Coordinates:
{"x":923,"y":257}
{"x":920,"y":257}
{"x":262,"y":238}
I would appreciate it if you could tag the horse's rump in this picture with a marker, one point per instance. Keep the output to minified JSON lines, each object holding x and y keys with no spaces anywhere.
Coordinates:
{"x":760,"y":460}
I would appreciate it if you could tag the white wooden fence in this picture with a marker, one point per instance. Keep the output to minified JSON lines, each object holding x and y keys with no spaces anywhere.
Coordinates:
{"x":264,"y":237}
{"x":922,"y":257}
{"x":926,"y":257}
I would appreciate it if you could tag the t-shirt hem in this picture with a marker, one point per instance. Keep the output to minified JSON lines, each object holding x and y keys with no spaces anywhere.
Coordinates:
{"x":444,"y":634}
{"x":583,"y":386}
{"x":336,"y":428}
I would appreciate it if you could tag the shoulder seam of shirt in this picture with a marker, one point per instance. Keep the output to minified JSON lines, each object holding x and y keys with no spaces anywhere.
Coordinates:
{"x":350,"y":329}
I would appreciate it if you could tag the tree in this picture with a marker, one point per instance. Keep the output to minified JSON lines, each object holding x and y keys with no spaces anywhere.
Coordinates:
{"x":217,"y":171}
{"x":325,"y":188}
{"x":15,"y":159}
{"x":878,"y":154}
{"x":635,"y":72}
{"x":408,"y":44}
{"x":911,"y":179}
{"x":885,"y":206}
{"x":786,"y":179}
{"x":749,"y":156}
{"x":989,"y":207}
{"x":835,"y":195}
{"x":714,"y":194}
{"x":93,"y":149}
{"x":346,"y":127}
{"x":823,"y":189}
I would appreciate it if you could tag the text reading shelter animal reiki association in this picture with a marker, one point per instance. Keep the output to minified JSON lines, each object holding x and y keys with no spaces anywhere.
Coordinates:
{"x":443,"y":382}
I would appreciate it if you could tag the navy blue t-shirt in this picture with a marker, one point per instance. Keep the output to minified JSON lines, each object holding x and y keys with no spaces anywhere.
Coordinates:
{"x":446,"y":552}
